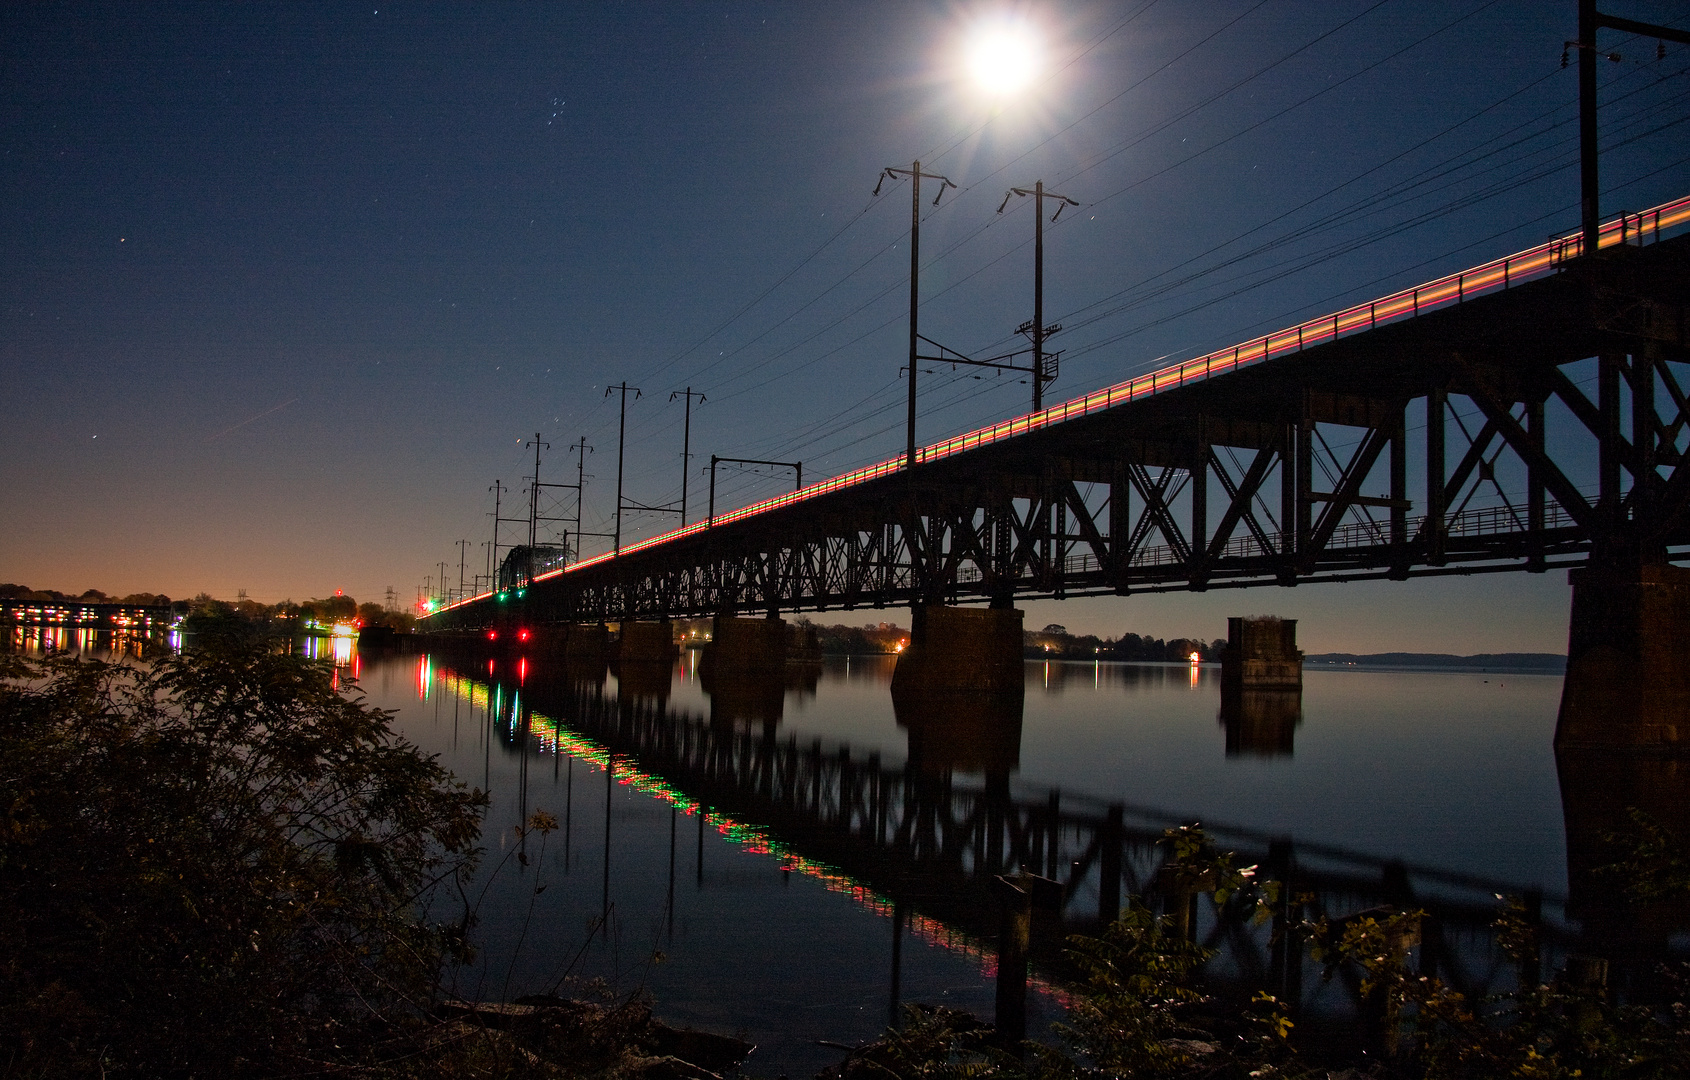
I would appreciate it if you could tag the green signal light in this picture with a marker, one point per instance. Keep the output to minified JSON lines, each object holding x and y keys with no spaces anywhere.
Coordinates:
{"x":520,"y":593}
{"x":502,"y":597}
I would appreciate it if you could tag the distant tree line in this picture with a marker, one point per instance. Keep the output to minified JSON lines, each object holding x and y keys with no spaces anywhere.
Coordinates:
{"x":88,"y":596}
{"x":283,"y":616}
{"x":307,"y":614}
{"x":1054,"y":642}
{"x":870,"y":638}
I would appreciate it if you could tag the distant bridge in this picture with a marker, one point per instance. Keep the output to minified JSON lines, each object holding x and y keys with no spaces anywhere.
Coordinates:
{"x":1281,"y":460}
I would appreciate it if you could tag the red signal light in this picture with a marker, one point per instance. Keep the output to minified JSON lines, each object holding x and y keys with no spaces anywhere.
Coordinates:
{"x":523,"y":635}
{"x":492,"y":635}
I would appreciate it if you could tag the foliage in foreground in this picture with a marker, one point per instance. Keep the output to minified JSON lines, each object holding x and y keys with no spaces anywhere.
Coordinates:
{"x":1144,"y":1012}
{"x":213,"y":864}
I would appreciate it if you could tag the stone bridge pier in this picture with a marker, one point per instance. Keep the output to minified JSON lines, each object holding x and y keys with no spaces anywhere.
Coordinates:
{"x":1261,"y":686}
{"x":954,"y":648}
{"x":1628,"y":660}
{"x":1622,"y":752}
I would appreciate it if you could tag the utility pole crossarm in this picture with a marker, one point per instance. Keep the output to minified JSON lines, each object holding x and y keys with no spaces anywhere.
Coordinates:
{"x":1590,"y":21}
{"x":581,"y":451}
{"x":630,"y":504}
{"x":686,"y":443}
{"x":797,"y":468}
{"x":916,"y":175}
{"x":621,"y":446}
{"x":948,"y":355}
{"x":1037,"y":327}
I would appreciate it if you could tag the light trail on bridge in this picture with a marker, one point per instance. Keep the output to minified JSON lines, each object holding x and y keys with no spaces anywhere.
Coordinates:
{"x":1532,"y":264}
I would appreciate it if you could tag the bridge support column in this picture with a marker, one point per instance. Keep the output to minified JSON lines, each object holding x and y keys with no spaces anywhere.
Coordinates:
{"x":961,"y":649}
{"x":647,"y":643}
{"x":587,"y":643}
{"x":1261,"y":687}
{"x":748,"y":644}
{"x":1261,"y":654}
{"x":645,"y":658}
{"x":1622,"y":744}
{"x":744,"y":671}
{"x":958,"y":692}
{"x":1628,"y":659}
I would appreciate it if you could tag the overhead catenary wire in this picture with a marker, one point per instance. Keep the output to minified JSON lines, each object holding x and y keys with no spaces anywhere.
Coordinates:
{"x":840,"y":422}
{"x":956,"y":246}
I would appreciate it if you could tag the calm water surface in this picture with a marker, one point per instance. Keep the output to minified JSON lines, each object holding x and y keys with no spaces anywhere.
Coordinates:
{"x":734,"y":926}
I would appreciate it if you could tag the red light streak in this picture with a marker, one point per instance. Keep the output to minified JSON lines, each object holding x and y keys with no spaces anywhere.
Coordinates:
{"x":1499,"y":274}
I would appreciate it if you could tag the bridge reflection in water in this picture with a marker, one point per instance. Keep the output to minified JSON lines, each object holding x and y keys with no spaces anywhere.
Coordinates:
{"x":922,"y":842}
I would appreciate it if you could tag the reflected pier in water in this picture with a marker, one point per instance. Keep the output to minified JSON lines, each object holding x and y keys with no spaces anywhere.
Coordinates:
{"x":932,"y":844}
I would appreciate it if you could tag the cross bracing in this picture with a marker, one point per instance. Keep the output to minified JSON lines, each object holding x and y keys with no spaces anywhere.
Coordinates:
{"x":1522,"y":415}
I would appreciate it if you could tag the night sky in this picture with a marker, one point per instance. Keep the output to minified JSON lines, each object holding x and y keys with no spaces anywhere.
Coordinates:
{"x":284,"y":289}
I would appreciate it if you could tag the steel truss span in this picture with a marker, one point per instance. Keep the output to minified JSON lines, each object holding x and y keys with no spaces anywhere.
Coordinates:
{"x":1521,"y":416}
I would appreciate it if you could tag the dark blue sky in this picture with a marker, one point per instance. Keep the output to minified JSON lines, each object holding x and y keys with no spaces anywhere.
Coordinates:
{"x":284,"y":289}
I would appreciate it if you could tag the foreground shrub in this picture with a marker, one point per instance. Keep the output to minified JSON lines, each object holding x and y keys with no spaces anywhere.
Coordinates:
{"x":213,"y":864}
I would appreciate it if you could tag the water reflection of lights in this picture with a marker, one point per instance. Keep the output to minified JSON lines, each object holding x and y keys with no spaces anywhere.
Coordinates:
{"x":549,"y":736}
{"x":112,"y":645}
{"x":425,"y":676}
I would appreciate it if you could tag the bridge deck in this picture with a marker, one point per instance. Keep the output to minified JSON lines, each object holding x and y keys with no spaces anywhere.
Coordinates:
{"x":1139,"y":485}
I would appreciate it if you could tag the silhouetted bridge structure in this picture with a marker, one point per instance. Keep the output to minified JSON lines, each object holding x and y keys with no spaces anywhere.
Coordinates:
{"x":1448,"y":428}
{"x":932,"y":846}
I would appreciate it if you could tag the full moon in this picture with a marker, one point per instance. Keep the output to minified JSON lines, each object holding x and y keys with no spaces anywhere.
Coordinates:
{"x":1002,"y":58}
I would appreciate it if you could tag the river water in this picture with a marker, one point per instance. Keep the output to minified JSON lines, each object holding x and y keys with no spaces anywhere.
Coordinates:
{"x":759,"y":927}
{"x":702,"y":856}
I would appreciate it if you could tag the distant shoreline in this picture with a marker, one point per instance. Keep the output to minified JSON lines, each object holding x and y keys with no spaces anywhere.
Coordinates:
{"x":1546,"y":663}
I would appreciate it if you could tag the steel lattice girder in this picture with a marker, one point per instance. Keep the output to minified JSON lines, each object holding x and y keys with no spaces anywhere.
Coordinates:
{"x":1122,"y":500}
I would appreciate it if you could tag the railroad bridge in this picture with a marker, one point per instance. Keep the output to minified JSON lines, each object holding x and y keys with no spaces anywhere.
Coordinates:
{"x":1527,"y":414}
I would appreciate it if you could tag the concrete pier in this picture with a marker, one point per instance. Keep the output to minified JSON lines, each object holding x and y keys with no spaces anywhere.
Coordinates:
{"x":802,"y":644}
{"x":743,"y":669}
{"x":647,"y":643}
{"x":1261,"y":654}
{"x":587,"y":643}
{"x":1628,"y":660}
{"x":961,"y":649}
{"x":741,"y":644}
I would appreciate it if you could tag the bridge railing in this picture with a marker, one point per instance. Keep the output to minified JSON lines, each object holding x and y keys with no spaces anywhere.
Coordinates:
{"x":1499,"y":274}
{"x":1495,"y":276}
{"x":1485,"y":521}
